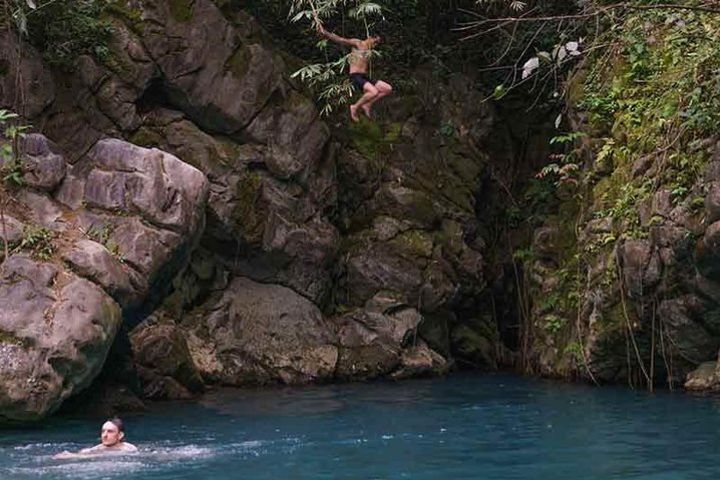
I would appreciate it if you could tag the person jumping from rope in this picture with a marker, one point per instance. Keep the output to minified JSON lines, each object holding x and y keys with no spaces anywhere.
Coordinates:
{"x":359,"y":60}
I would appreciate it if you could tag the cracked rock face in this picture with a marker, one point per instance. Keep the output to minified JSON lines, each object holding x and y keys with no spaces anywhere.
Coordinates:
{"x":55,"y":330}
{"x":225,"y":154}
{"x":142,"y":210}
{"x":260,"y":334}
{"x":92,"y":245}
{"x":219,"y":78}
{"x":267,"y":227}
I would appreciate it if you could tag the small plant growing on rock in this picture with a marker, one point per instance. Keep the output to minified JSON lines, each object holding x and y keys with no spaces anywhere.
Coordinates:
{"x":10,"y":159}
{"x":38,"y":241}
{"x":554,"y":323}
{"x":10,"y":164}
{"x":100,"y":233}
{"x":114,"y":249}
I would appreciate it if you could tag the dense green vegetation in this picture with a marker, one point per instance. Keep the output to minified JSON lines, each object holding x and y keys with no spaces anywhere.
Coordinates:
{"x":62,"y":29}
{"x":643,"y":106}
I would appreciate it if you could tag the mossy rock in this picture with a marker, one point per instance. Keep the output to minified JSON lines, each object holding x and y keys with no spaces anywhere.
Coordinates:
{"x":8,"y":338}
{"x":414,"y":244}
{"x":366,"y":137}
{"x":246,"y":218}
{"x":182,"y":10}
{"x":239,"y":63}
{"x":146,"y":137}
{"x":125,"y":12}
{"x":476,"y":343}
{"x":371,"y":139}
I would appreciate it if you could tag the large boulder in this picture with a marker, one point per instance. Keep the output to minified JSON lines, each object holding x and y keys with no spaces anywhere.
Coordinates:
{"x":144,"y":211}
{"x":91,"y":245}
{"x":43,"y":167}
{"x":382,"y":339}
{"x":705,"y":378}
{"x":254,"y":333}
{"x":55,"y":332}
{"x":165,"y":367}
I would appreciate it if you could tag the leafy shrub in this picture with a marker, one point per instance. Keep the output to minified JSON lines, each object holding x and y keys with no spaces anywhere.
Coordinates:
{"x":65,"y":29}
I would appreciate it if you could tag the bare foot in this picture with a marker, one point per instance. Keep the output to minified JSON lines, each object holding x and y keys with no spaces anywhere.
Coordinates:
{"x":366,"y":110}
{"x":353,"y":113}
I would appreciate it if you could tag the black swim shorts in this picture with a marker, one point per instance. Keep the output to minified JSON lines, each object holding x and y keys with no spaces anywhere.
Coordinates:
{"x":360,"y":79}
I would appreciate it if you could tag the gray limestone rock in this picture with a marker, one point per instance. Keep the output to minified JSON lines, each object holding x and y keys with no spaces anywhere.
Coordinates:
{"x":42,"y":167}
{"x":420,"y":361}
{"x":110,"y":242}
{"x":55,"y":332}
{"x":254,"y":333}
{"x":165,"y":366}
{"x":38,"y":86}
{"x":220,"y":80}
{"x":11,"y":231}
{"x":382,"y":340}
{"x":705,"y":378}
{"x":263,"y":225}
{"x":148,"y":207}
{"x":94,"y":262}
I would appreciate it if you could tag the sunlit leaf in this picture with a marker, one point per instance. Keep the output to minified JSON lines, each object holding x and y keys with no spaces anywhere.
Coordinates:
{"x":530,"y":66}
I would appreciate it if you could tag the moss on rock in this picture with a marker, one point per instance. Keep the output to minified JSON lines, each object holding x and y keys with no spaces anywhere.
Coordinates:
{"x":476,"y":342}
{"x":239,"y":62}
{"x":146,"y":137}
{"x":182,"y":10}
{"x":414,"y":244}
{"x":10,"y":339}
{"x":247,"y":218}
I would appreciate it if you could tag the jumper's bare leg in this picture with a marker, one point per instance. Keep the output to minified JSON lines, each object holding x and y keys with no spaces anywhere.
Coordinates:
{"x":384,"y":89}
{"x":370,"y":93}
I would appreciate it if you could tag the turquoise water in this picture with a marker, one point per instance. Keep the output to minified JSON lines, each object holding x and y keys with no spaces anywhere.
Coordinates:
{"x":463,"y":427}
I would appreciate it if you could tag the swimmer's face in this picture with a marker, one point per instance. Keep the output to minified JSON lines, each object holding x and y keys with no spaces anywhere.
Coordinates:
{"x":373,"y":41}
{"x":110,"y":435}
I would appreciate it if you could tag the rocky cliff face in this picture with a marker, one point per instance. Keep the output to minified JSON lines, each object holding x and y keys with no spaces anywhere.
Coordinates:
{"x":622,"y":275}
{"x":90,"y":243}
{"x":191,"y":196}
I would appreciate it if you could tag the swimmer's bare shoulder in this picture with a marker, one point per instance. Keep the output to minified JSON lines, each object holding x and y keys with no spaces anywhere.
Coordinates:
{"x":128,"y":447}
{"x":124,"y":447}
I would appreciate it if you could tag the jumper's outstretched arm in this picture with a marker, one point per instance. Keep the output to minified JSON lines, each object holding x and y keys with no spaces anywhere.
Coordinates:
{"x":350,"y":42}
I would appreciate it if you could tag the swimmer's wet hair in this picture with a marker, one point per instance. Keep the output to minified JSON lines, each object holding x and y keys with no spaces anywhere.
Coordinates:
{"x":118,"y":423}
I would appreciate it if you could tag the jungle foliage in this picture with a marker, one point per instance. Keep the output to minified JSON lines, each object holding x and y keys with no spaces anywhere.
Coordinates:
{"x":62,"y":29}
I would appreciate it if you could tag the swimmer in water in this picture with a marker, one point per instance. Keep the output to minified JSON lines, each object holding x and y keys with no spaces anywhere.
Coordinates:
{"x":112,"y":438}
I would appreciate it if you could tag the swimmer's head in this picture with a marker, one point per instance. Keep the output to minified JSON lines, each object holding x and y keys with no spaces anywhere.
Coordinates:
{"x":112,"y":432}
